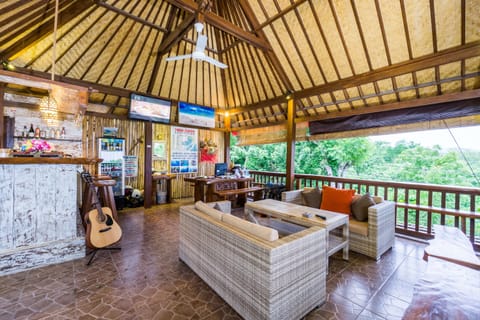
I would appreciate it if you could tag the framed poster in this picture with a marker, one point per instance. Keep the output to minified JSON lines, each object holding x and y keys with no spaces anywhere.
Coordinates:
{"x":159,"y":151}
{"x":184,"y":150}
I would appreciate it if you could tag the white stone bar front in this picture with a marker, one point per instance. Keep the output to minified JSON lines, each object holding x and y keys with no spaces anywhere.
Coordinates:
{"x":39,"y":214}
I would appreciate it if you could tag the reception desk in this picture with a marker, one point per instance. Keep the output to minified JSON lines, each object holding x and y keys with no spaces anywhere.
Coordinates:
{"x":39,"y":220}
{"x":205,"y":187}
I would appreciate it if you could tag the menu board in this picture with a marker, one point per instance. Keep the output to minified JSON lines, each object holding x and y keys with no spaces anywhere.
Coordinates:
{"x":184,"y":146}
{"x":131,"y":166}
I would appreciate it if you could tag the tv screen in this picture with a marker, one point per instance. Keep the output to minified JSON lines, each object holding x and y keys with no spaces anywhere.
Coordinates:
{"x":195,"y":115}
{"x":220,"y":169}
{"x":148,"y":108}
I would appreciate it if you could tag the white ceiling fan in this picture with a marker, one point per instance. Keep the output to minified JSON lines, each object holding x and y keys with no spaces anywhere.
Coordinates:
{"x":199,"y":51}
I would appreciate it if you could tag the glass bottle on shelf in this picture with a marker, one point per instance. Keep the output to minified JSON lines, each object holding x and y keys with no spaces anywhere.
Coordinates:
{"x":57,"y":133}
{"x":37,"y":132}
{"x":25,"y":131}
{"x":62,"y":133}
{"x":52,"y":133}
{"x":31,"y":132}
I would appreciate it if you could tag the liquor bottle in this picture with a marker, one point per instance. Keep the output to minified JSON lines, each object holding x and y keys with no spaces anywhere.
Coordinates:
{"x":62,"y":133}
{"x":37,"y":132}
{"x":31,"y":132}
{"x":25,"y":131}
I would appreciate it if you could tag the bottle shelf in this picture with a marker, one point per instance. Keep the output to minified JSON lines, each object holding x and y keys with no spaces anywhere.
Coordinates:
{"x":49,"y":139}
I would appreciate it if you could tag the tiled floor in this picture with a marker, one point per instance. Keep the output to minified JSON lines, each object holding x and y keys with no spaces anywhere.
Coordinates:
{"x":145,"y":280}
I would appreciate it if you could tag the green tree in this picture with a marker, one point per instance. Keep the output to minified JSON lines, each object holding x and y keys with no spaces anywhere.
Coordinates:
{"x":331,"y":157}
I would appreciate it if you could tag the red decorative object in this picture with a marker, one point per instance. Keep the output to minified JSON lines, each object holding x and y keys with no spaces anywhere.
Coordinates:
{"x":208,"y":151}
{"x":206,"y":156}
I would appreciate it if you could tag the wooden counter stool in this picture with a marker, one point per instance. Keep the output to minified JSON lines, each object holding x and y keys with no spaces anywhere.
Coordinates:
{"x":105,"y":191}
{"x":104,"y":185}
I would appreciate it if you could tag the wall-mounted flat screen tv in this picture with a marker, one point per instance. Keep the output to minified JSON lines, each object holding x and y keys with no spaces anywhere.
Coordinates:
{"x":195,"y":115}
{"x":149,"y":109}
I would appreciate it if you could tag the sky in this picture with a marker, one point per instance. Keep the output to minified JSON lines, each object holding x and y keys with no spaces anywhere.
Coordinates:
{"x":467,"y":137}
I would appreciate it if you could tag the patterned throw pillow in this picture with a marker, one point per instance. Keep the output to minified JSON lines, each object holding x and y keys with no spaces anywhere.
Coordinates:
{"x":312,"y":197}
{"x":337,"y":200}
{"x":360,"y":207}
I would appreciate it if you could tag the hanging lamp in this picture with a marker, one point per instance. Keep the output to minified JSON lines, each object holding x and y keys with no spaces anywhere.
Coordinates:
{"x":48,"y":105}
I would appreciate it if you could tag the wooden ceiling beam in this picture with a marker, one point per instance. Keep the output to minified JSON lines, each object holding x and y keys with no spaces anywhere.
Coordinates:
{"x":65,"y":15}
{"x":102,"y":3}
{"x":442,"y":57}
{"x":176,"y":35}
{"x":222,"y":24}
{"x":446,"y":98}
{"x":252,"y":19}
{"x":278,"y":15}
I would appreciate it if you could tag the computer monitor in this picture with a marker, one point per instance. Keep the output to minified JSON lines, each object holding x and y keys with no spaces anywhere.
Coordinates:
{"x":220,"y":169}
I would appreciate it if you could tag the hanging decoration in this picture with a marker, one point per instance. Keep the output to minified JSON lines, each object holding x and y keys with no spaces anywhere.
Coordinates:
{"x":208,"y":151}
{"x":48,"y":105}
{"x":49,"y":110}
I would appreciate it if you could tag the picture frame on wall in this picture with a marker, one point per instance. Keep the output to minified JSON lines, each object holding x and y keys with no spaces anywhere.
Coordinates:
{"x":159,"y":150}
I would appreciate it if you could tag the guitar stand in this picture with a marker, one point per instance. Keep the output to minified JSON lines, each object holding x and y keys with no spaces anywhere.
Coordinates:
{"x":94,"y":252}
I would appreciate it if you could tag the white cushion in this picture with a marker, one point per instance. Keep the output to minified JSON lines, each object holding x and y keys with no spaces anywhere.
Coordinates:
{"x":257,"y":230}
{"x":205,"y":208}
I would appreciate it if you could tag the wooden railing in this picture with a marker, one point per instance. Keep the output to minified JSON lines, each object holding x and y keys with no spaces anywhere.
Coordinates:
{"x":419,"y":206}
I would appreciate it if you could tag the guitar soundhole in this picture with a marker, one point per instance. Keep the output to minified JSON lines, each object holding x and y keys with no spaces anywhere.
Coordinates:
{"x":109,"y":221}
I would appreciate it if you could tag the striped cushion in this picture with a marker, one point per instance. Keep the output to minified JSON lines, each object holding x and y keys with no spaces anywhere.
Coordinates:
{"x":205,"y":208}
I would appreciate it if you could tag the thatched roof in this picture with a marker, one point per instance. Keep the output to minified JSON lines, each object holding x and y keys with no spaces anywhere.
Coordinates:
{"x":338,"y":57}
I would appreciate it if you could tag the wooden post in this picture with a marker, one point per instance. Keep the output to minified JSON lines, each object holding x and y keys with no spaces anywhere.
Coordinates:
{"x":226,"y":139}
{"x":2,"y":111}
{"x":290,"y":143}
{"x":147,"y":179}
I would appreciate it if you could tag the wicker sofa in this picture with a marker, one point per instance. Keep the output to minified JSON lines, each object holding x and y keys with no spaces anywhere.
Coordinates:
{"x":372,"y":238}
{"x":260,"y":279}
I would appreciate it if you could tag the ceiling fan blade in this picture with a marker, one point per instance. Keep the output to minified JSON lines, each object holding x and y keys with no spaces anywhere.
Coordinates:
{"x":215,"y":62}
{"x":174,"y":58}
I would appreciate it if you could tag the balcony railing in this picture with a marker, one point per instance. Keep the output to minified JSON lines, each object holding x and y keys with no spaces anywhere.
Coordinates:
{"x":419,"y":206}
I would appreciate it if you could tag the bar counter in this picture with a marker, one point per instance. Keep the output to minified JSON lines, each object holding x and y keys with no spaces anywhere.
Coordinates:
{"x":39,"y":212}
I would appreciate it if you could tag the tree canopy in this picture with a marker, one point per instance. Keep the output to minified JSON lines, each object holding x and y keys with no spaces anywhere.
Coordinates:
{"x":362,"y":158}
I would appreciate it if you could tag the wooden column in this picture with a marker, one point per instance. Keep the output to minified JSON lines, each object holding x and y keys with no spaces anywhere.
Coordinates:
{"x":2,"y":111}
{"x":226,"y":139}
{"x":290,"y":143}
{"x":147,"y":179}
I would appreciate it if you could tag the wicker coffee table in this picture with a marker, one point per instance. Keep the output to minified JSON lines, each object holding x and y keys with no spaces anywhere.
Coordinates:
{"x":294,"y":213}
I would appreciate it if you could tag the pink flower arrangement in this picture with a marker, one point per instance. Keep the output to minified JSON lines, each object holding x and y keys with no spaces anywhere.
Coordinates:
{"x":35,"y":145}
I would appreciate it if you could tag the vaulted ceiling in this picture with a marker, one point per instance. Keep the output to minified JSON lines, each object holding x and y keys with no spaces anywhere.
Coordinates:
{"x":337,"y":57}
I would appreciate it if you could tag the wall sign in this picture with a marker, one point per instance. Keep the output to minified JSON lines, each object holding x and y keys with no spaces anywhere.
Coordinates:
{"x":184,"y":150}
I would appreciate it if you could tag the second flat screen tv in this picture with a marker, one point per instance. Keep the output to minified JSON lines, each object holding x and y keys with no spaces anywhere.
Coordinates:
{"x":149,"y":109}
{"x":195,"y":115}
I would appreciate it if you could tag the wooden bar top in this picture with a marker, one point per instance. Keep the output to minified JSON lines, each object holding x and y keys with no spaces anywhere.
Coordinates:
{"x":47,"y":160}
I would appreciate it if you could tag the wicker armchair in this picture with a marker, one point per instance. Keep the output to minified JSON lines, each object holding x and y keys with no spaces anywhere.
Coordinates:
{"x":372,"y":238}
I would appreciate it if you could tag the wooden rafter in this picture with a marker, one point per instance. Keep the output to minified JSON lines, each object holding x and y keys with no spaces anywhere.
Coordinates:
{"x":252,"y":19}
{"x":102,"y":3}
{"x":442,"y":57}
{"x":222,"y":24}
{"x":173,"y":37}
{"x":446,"y":98}
{"x":65,"y":15}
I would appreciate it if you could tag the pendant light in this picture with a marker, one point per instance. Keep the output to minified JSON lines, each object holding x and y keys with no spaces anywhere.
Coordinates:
{"x":48,"y":105}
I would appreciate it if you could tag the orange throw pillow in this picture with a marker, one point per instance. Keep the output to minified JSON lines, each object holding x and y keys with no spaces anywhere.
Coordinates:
{"x":337,"y":200}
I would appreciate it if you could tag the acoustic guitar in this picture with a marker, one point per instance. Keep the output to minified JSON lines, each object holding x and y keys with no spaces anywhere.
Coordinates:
{"x":102,"y":229}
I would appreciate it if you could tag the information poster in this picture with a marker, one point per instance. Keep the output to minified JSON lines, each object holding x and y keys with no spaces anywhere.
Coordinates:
{"x":184,"y":146}
{"x":131,"y":166}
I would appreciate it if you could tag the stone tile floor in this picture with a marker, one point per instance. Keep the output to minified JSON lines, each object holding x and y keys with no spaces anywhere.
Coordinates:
{"x":146,"y":280}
